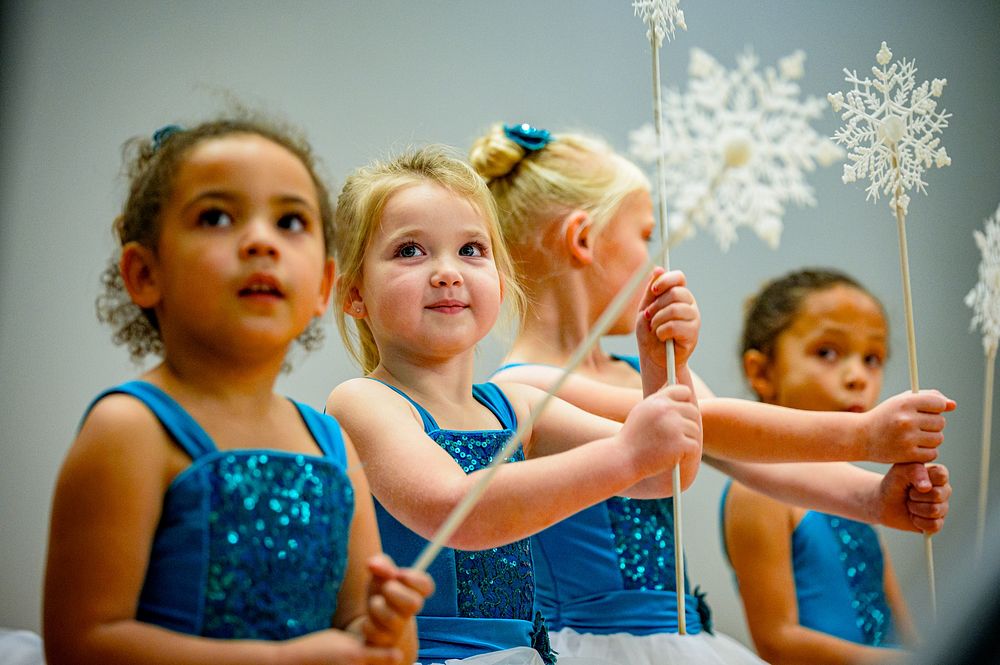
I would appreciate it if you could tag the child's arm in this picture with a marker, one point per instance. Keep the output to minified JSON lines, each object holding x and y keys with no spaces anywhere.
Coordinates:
{"x":377,"y":600}
{"x":758,"y":533}
{"x":420,"y":484}
{"x":905,"y":428}
{"x":908,"y":497}
{"x":107,"y":503}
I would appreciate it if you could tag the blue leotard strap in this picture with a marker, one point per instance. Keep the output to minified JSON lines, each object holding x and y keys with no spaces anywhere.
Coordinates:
{"x":195,"y":441}
{"x":188,"y":434}
{"x":487,"y":394}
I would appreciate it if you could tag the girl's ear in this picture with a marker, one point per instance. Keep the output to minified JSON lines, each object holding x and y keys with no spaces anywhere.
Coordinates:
{"x":758,"y":370}
{"x":329,"y":278}
{"x":138,"y":269}
{"x":354,"y":304}
{"x":576,"y":228}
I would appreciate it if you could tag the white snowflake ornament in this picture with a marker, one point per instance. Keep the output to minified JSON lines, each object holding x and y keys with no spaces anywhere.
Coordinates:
{"x":984,"y":298}
{"x":738,"y":146}
{"x":661,"y":18}
{"x":891,"y":128}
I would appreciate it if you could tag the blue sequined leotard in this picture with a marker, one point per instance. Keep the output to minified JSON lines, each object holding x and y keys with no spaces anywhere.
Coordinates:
{"x":610,"y":568}
{"x":838,"y":569}
{"x":483,"y":599}
{"x":251,"y":544}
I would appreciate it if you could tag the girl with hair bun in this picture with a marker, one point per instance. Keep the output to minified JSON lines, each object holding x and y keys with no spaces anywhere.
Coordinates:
{"x":577,"y":217}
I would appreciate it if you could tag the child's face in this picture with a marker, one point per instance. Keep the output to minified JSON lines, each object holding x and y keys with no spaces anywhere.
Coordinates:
{"x":830,"y":358}
{"x":241,"y":257}
{"x":430,"y":286}
{"x":620,"y":249}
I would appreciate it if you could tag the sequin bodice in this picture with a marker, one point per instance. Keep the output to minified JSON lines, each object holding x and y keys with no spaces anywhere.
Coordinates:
{"x":251,"y":544}
{"x":643,"y":532}
{"x":860,"y":555}
{"x":497,"y":583}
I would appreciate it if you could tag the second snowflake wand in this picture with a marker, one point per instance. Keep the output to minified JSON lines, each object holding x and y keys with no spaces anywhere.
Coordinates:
{"x":890,"y":137}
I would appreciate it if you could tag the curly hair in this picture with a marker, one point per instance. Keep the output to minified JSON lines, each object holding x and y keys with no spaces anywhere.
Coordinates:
{"x":151,"y":165}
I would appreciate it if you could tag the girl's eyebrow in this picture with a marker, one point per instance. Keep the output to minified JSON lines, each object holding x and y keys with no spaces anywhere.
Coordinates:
{"x":231,"y":197}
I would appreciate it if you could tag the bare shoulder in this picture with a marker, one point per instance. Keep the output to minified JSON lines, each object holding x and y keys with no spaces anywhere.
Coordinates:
{"x":746,"y":508}
{"x":522,"y":397}
{"x":120,"y":425}
{"x":358,"y":395}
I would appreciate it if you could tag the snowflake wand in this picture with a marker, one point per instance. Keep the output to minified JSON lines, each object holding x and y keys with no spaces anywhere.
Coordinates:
{"x":890,"y":137}
{"x":984,"y":299}
{"x":741,"y":145}
{"x":661,"y":17}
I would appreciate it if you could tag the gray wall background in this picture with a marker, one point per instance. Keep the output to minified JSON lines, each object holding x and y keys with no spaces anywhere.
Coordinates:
{"x":368,"y":78}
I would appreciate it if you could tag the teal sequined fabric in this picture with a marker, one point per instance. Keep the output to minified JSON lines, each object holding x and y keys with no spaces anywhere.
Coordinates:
{"x":278,"y":526}
{"x":861,"y":556}
{"x":643,"y":532}
{"x":497,"y":583}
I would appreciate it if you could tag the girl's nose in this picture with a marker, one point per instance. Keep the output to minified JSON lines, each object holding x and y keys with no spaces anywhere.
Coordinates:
{"x":855,"y":374}
{"x":258,"y":240}
{"x":445,"y":274}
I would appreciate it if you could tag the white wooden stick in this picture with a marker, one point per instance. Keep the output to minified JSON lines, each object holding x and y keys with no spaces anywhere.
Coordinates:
{"x":465,"y":506}
{"x":911,"y":345}
{"x":984,"y":466}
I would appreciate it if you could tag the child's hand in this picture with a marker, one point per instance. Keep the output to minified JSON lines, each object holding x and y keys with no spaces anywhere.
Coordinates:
{"x":395,"y":595}
{"x":906,"y":428}
{"x":663,"y":431}
{"x":335,"y":646}
{"x":913,"y":497}
{"x":668,"y":311}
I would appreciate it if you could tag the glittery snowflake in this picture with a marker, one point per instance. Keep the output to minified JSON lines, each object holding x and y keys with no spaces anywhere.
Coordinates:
{"x":661,"y":17}
{"x":891,"y":128}
{"x":738,"y":144}
{"x":984,"y":298}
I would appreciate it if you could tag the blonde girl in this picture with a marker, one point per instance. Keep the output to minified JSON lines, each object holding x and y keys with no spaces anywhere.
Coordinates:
{"x":423,"y":274}
{"x":578,"y":217}
{"x":199,"y":517}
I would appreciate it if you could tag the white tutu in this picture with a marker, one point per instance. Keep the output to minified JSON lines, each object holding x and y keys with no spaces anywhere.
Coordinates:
{"x":522,"y":656}
{"x":20,"y":647}
{"x":655,"y":649}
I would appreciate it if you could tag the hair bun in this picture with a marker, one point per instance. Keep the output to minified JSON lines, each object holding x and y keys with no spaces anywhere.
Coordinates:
{"x":495,"y":155}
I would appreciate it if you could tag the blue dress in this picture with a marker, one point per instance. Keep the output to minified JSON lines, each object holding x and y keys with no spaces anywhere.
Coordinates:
{"x":605,"y":583}
{"x":251,"y":544}
{"x":838,"y":569}
{"x":483,"y":599}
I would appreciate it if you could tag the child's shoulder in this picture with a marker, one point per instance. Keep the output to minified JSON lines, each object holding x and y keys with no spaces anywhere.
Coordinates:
{"x":745,"y":507}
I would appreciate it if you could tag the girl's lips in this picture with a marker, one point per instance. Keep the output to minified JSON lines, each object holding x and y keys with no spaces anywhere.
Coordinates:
{"x":447,"y":306}
{"x":262,"y":285}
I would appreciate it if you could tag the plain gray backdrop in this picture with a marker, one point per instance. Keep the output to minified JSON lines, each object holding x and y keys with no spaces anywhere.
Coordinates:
{"x":366,"y":79}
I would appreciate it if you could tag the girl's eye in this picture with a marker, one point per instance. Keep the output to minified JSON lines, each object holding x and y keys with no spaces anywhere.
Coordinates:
{"x":472,"y":249}
{"x":293,"y":223}
{"x":873,"y":360}
{"x":827,"y":353}
{"x":409,"y":251}
{"x":214,"y":217}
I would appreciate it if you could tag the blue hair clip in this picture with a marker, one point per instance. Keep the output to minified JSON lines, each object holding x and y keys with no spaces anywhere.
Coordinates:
{"x":163,"y":133}
{"x":528,"y":137}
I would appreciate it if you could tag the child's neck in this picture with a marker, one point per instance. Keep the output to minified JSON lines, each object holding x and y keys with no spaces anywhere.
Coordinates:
{"x":556,"y":323}
{"x":211,"y":378}
{"x":440,"y":385}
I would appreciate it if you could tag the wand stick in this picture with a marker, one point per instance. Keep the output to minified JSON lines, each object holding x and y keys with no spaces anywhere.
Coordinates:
{"x":984,"y":466}
{"x":911,"y":346}
{"x":671,"y":370}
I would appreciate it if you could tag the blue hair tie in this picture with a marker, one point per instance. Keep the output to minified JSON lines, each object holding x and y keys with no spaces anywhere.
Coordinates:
{"x":528,"y":137}
{"x":161,"y":135}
